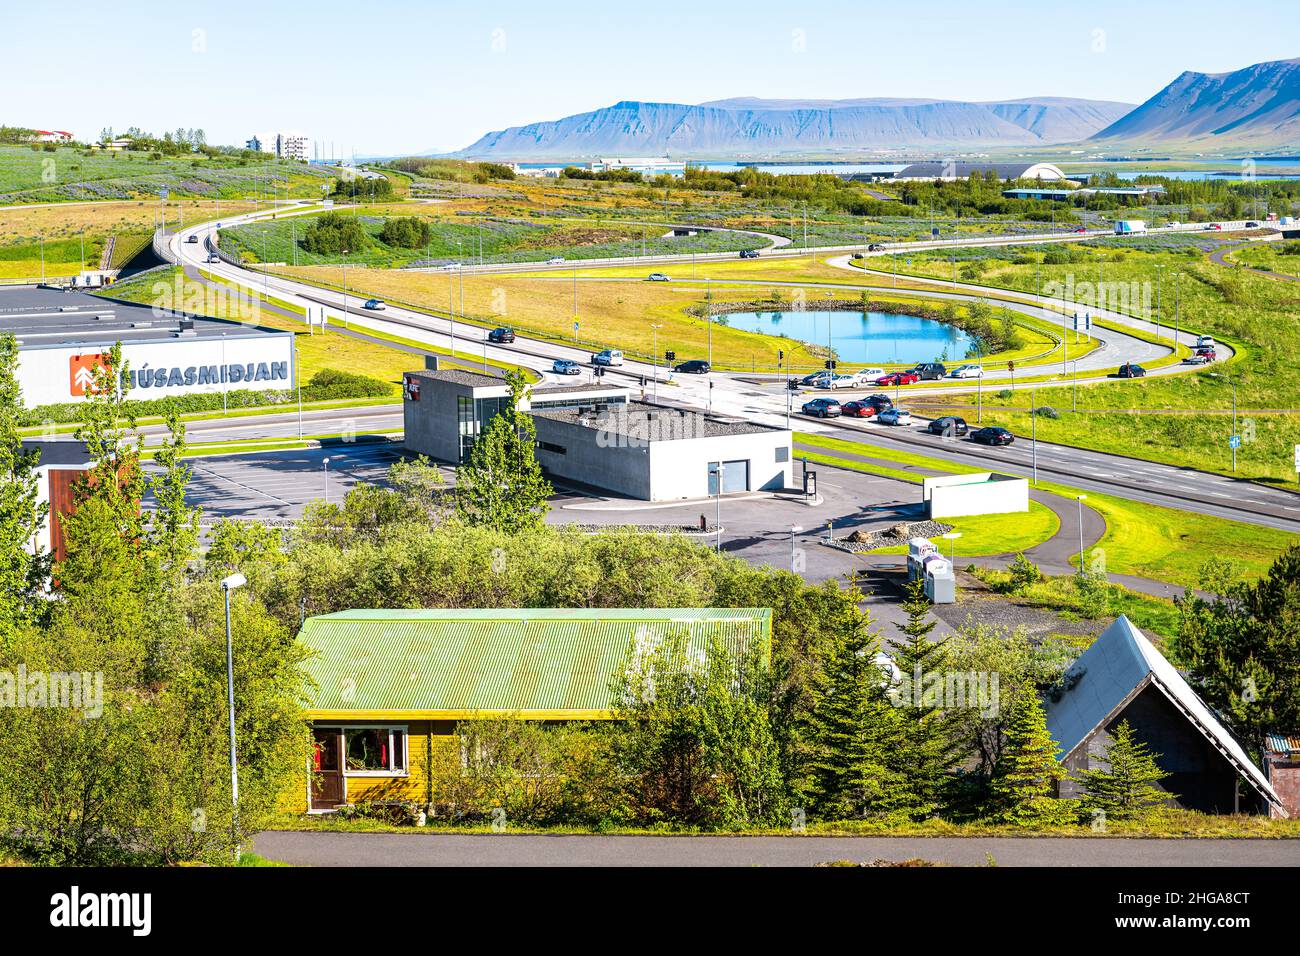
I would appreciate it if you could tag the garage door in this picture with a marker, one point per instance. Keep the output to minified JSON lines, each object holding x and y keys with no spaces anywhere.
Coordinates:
{"x":735,"y":476}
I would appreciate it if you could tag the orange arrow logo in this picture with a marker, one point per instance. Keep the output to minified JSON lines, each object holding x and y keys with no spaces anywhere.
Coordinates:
{"x":81,"y":372}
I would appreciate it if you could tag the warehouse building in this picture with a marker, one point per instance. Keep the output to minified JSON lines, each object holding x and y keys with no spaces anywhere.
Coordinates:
{"x":1122,"y":677}
{"x":597,"y":435}
{"x":388,"y":687}
{"x":64,"y":336}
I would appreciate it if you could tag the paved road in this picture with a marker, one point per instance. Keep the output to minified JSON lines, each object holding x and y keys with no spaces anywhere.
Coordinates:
{"x":423,"y":849}
{"x":1183,"y":488}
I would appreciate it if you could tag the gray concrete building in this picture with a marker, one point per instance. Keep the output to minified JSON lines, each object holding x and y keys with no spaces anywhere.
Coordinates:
{"x":598,"y":436}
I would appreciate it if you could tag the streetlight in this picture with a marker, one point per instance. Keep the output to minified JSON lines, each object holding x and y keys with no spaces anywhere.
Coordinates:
{"x":1075,"y":363}
{"x":952,"y":537}
{"x":655,"y":359}
{"x":227,"y":585}
{"x":719,"y":472}
{"x":794,"y":529}
{"x":345,"y":289}
{"x":1033,"y":419}
{"x":1079,"y":499}
{"x":325,"y":463}
{"x":1232,"y":439}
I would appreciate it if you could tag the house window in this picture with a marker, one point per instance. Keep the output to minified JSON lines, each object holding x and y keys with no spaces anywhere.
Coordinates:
{"x":375,"y":751}
{"x":782,"y":455}
{"x":551,"y":447}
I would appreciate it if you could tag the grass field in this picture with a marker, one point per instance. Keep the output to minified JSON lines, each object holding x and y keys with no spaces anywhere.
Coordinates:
{"x":70,"y":174}
{"x":466,"y":239}
{"x":76,"y":233}
{"x":1149,"y":541}
{"x":1274,"y":256}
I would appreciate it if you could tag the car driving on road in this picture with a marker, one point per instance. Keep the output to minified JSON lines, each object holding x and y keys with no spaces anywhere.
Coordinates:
{"x":822,"y":408}
{"x":967,"y":371}
{"x":656,"y":277}
{"x":555,"y":260}
{"x":501,"y":336}
{"x":607,"y":357}
{"x":950,"y":426}
{"x":374,"y":305}
{"x":1129,"y":370}
{"x":894,"y":416}
{"x":693,"y":367}
{"x":566,"y":367}
{"x":992,"y":436}
{"x":859,"y":409}
{"x":749,"y":253}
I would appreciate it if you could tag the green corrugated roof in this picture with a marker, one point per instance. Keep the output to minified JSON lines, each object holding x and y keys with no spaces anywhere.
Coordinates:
{"x":516,"y":660}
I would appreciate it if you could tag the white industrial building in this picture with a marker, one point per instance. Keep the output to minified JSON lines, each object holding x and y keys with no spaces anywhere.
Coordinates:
{"x":951,"y":171}
{"x":63,"y":336}
{"x":981,"y":493}
{"x":598,"y":436}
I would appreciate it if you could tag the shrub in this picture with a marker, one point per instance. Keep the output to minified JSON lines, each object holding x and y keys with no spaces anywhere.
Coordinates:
{"x":331,"y":233}
{"x":406,"y":231}
{"x":1092,"y":591}
{"x":1046,"y":411}
{"x":331,"y":383}
{"x":1023,"y":573}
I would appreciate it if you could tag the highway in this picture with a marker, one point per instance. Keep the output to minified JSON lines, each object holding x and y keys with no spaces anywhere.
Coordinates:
{"x":767,"y":402}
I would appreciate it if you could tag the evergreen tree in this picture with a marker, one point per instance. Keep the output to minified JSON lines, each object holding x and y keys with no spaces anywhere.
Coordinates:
{"x":22,"y":571}
{"x":500,"y":485}
{"x":1127,"y":788}
{"x":1024,"y":779}
{"x":854,"y":732}
{"x":927,"y":753}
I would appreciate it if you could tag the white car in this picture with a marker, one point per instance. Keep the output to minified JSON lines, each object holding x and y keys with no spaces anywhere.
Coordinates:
{"x":967,"y":371}
{"x":555,"y":261}
{"x":827,"y":380}
{"x":894,"y":416}
{"x":864,"y":376}
{"x":656,"y":277}
{"x":451,"y":267}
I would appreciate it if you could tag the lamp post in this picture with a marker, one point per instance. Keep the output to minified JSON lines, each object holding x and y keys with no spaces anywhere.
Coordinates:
{"x":718,"y":522}
{"x":325,"y":464}
{"x":952,"y":537}
{"x":1232,"y":439}
{"x":227,"y":585}
{"x":794,"y":529}
{"x":1033,"y":424}
{"x":345,"y":289}
{"x":1159,"y":276}
{"x":655,"y":360}
{"x":1079,"y":499}
{"x":1075,"y":363}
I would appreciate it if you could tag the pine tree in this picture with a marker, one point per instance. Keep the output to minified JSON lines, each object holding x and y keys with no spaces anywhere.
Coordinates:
{"x":501,"y":485}
{"x":22,"y":571}
{"x":854,"y":729}
{"x":1023,"y":780}
{"x":927,"y":751}
{"x":1127,"y":788}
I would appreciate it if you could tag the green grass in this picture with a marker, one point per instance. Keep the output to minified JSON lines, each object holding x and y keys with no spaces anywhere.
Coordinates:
{"x":25,"y":176}
{"x":1149,"y":541}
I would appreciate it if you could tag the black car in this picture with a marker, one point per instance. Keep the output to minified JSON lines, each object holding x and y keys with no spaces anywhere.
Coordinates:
{"x":930,"y":371}
{"x":992,"y":436}
{"x":1129,"y":370}
{"x":693,"y":367}
{"x":822,"y":408}
{"x":749,"y":253}
{"x":875,"y":247}
{"x":502,"y":336}
{"x":950,"y":426}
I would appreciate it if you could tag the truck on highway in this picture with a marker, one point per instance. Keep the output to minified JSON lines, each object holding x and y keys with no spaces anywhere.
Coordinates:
{"x":1125,"y":227}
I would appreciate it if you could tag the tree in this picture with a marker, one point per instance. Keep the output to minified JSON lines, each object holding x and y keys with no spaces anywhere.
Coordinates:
{"x":409,"y":232}
{"x":173,"y":531}
{"x":692,"y":736}
{"x":500,"y":485}
{"x":927,"y":751}
{"x":333,"y":233}
{"x":1024,"y":779}
{"x":23,"y":569}
{"x":1243,"y":648}
{"x":854,"y":730}
{"x":1126,"y":789}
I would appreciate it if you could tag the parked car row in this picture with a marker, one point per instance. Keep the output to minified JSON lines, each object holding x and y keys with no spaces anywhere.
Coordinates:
{"x":886,"y":413}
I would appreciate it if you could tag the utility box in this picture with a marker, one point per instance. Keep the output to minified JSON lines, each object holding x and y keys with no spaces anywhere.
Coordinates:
{"x":941,"y":588}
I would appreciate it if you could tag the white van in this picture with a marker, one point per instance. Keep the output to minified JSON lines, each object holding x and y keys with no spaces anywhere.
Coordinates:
{"x":607,"y":357}
{"x":1205,"y":341}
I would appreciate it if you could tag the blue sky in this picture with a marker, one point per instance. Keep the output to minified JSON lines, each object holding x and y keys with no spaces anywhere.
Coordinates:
{"x":394,"y":77}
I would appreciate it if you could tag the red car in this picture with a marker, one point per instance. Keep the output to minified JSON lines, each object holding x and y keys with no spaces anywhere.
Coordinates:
{"x":1208,"y":353}
{"x":1082,"y":229}
{"x":857,"y":410}
{"x":898,"y":378}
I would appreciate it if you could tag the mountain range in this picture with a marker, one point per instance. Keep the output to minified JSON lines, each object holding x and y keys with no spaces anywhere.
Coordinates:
{"x":1257,"y":107}
{"x":754,"y":126}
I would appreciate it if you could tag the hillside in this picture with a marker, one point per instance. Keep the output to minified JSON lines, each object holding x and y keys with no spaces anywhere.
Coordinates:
{"x":1258,"y":106}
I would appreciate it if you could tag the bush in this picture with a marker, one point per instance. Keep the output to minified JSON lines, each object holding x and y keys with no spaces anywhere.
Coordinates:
{"x":332,"y":233}
{"x":408,"y":232}
{"x":1047,"y":411}
{"x":331,"y":383}
{"x":1092,"y":591}
{"x":1023,"y":573}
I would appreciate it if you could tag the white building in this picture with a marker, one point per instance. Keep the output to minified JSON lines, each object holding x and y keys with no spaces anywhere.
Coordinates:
{"x":293,"y":146}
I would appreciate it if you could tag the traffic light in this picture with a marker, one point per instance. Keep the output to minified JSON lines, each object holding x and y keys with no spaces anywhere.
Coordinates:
{"x":830,"y":365}
{"x":670,"y":355}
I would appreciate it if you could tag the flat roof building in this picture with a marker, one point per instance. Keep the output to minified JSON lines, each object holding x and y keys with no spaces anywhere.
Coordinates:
{"x":64,"y":335}
{"x":598,"y":436}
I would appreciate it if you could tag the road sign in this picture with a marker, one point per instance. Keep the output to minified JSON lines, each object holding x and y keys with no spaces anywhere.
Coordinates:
{"x":575,"y":326}
{"x":1234,"y":441}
